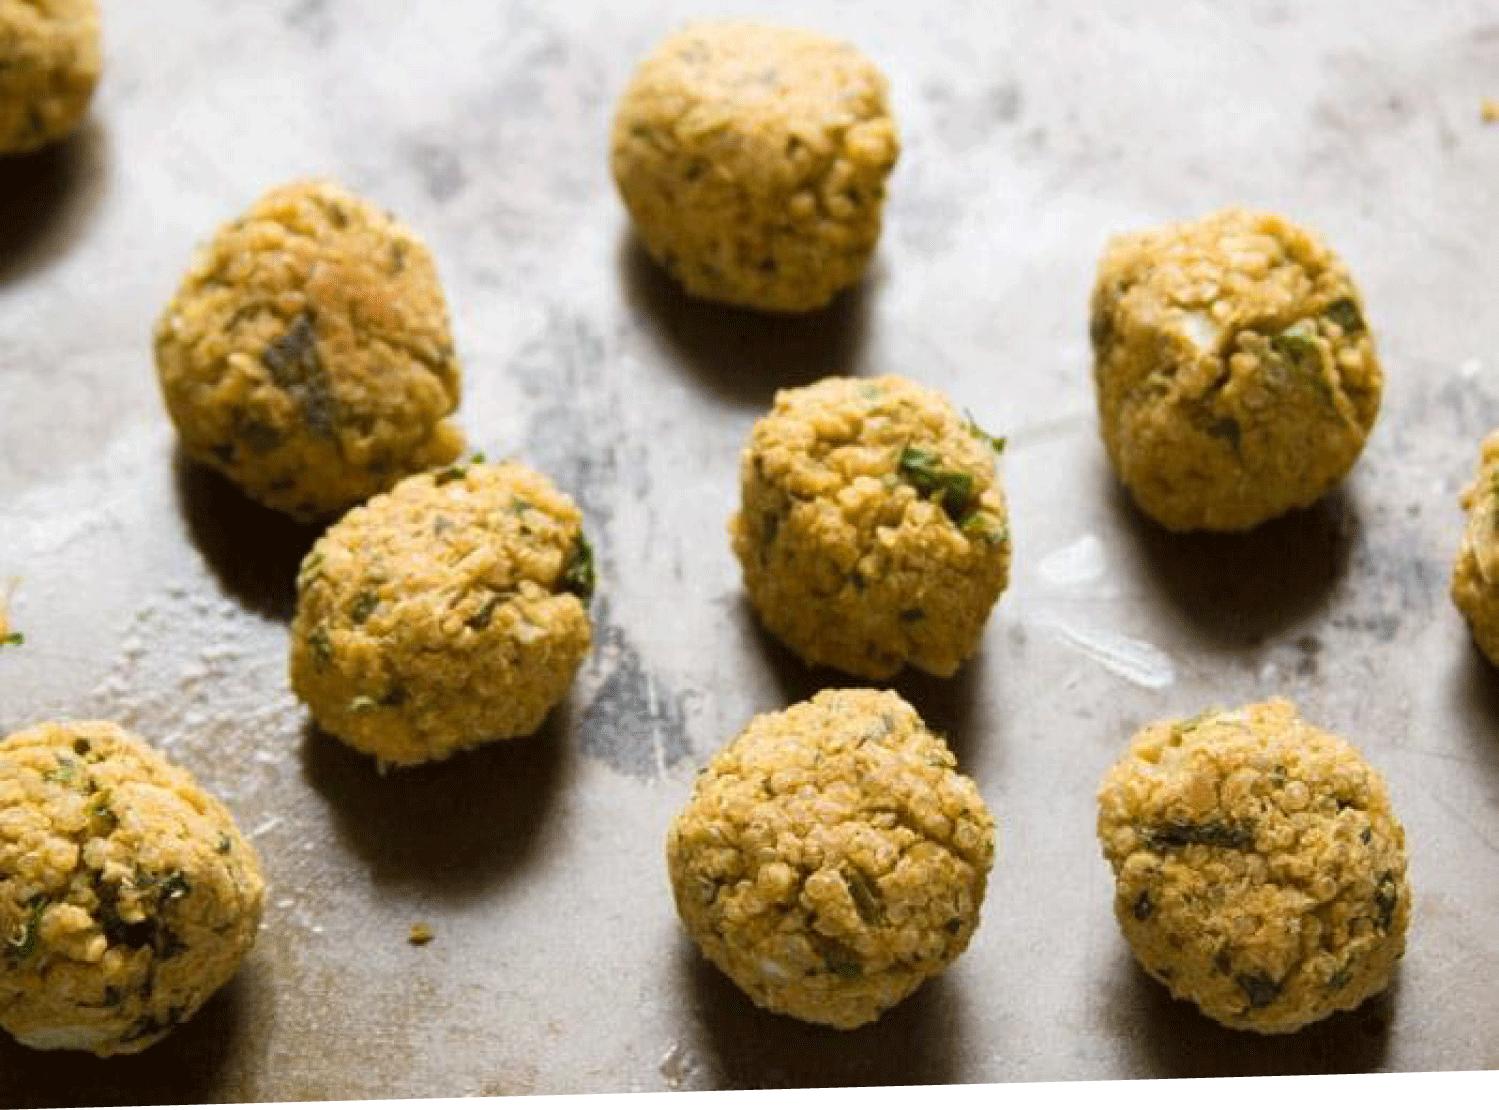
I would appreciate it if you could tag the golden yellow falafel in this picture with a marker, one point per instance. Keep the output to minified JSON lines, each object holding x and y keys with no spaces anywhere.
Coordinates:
{"x":50,"y":59}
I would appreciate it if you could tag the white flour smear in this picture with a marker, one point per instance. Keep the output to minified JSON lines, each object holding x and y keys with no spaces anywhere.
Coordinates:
{"x":1133,"y":660}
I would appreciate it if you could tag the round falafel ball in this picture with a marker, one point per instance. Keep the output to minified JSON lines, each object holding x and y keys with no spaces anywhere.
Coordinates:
{"x":1259,"y":870}
{"x":127,"y":894}
{"x":753,"y":160}
{"x":50,"y":58}
{"x":1236,"y":374}
{"x":872,"y":528}
{"x":307,"y":356}
{"x":831,"y":858}
{"x":1475,"y":574}
{"x":451,"y":611}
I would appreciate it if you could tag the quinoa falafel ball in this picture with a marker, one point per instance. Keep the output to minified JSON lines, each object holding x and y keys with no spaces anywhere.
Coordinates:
{"x":50,"y":58}
{"x":1260,"y":873}
{"x":831,"y":858}
{"x":1236,"y":374}
{"x":872,"y":528}
{"x":753,"y":161}
{"x":1475,"y":574}
{"x":307,"y":356}
{"x":451,"y":611}
{"x":127,"y":894}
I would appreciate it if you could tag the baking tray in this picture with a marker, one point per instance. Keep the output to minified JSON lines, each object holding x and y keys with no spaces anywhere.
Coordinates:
{"x":152,"y":593}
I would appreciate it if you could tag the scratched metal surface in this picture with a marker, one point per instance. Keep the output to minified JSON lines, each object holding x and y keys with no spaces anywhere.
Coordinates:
{"x":150,"y":592}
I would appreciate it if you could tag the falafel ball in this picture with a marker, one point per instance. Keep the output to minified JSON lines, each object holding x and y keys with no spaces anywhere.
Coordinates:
{"x":127,"y":894}
{"x":872,"y":528}
{"x":450,"y":611}
{"x":1259,"y":870}
{"x":831,"y":858}
{"x":307,"y":356}
{"x":50,"y":58}
{"x":1475,"y":574}
{"x":1235,"y":371}
{"x":753,"y":160}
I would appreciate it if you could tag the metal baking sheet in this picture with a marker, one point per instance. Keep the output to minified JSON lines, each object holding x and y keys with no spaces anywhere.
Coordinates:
{"x":150,"y":592}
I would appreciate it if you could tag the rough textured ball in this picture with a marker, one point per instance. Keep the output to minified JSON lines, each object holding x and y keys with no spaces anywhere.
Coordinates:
{"x":1260,"y":873}
{"x":451,"y":611}
{"x":1475,"y":574}
{"x":307,"y":356}
{"x":753,"y":161}
{"x":1236,"y":373}
{"x":831,"y":858}
{"x":50,"y":58}
{"x":872,"y":528}
{"x":127,"y":894}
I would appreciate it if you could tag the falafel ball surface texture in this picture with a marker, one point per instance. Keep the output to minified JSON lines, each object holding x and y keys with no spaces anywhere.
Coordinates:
{"x":450,"y":611}
{"x":831,"y":858}
{"x":127,"y":893}
{"x":50,"y":59}
{"x":1475,"y":574}
{"x":753,"y":160}
{"x":872,"y":527}
{"x":307,"y":356}
{"x":1236,"y":375}
{"x":1260,"y":872}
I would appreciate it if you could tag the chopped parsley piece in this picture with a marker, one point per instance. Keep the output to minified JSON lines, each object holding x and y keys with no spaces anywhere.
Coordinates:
{"x":175,"y":885}
{"x":12,"y":639}
{"x":480,"y":620}
{"x":578,"y":577}
{"x":952,"y":489}
{"x":1344,"y":312}
{"x":996,"y":442}
{"x":365,"y":603}
{"x":222,"y":847}
{"x":1211,"y":834}
{"x":1259,"y":988}
{"x":66,"y":772}
{"x":23,"y":944}
{"x":865,"y":895}
{"x":455,"y":473}
{"x":322,"y":647}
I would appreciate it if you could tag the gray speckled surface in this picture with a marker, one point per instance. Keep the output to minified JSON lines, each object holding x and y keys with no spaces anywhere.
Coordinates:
{"x":152,"y":593}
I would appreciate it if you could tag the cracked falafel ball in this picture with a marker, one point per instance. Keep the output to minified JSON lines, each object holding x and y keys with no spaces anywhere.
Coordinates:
{"x":307,"y":355}
{"x":1260,"y":872}
{"x":1475,"y":574}
{"x":50,"y":58}
{"x":872,"y":528}
{"x":451,"y":611}
{"x":753,"y":160}
{"x":831,"y":858}
{"x":1235,"y":371}
{"x":127,"y":894}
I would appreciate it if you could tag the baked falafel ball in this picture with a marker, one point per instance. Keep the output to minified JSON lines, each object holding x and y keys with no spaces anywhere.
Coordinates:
{"x":753,"y":160}
{"x":307,"y":356}
{"x":50,"y":57}
{"x":451,"y":611}
{"x":1260,"y":872}
{"x":1475,"y":574}
{"x":127,"y":894}
{"x":872,"y":527}
{"x":1236,"y":374}
{"x":831,"y":858}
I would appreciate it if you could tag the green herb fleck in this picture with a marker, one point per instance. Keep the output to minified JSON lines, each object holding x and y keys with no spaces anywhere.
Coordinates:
{"x":480,"y":620}
{"x":1210,"y":834}
{"x":23,"y":944}
{"x":578,"y":577}
{"x":365,"y":603}
{"x":995,"y":442}
{"x":1386,"y":897}
{"x":1340,"y":979}
{"x":297,"y":369}
{"x":65,"y":773}
{"x":311,"y":566}
{"x":1181,"y":728}
{"x":175,"y":885}
{"x":953,"y":926}
{"x":322,"y":647}
{"x":222,"y":847}
{"x":477,"y":458}
{"x":981,"y":524}
{"x":12,"y":639}
{"x":1259,"y":988}
{"x":520,"y":505}
{"x":1344,"y":312}
{"x":951,"y":489}
{"x":455,"y":473}
{"x":865,"y":895}
{"x":1225,"y":427}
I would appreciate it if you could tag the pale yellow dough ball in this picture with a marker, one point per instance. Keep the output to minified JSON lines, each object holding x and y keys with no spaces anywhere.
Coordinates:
{"x":1236,"y":373}
{"x":127,"y":894}
{"x":753,"y":161}
{"x":1475,"y":575}
{"x":50,"y":57}
{"x":872,"y":528}
{"x":451,"y":611}
{"x":831,"y":858}
{"x":307,"y":354}
{"x":1260,"y":872}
